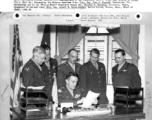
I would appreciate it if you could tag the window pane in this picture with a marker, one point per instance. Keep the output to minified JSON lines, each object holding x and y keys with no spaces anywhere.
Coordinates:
{"x":102,"y":30}
{"x":99,"y":42}
{"x":92,"y":30}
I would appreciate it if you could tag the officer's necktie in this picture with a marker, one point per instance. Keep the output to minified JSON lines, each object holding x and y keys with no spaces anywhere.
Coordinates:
{"x":73,"y":67}
{"x":48,"y":65}
{"x":96,"y":66}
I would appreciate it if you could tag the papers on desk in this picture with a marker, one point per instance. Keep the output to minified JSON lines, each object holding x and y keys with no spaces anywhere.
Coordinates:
{"x":33,"y":110}
{"x":36,"y":88}
{"x":90,"y":98}
{"x":122,"y":87}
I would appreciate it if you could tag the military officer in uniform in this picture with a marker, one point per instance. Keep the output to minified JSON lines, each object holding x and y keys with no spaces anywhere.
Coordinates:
{"x":124,"y":73}
{"x":93,"y":76}
{"x":70,"y":92}
{"x":69,"y":66}
{"x":49,"y":67}
{"x":32,"y":72}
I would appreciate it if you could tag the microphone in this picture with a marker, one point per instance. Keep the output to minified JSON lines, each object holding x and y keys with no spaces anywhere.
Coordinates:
{"x":65,"y":109}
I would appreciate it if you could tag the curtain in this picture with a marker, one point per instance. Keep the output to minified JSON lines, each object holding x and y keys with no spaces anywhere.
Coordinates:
{"x":127,"y":37}
{"x":69,"y":37}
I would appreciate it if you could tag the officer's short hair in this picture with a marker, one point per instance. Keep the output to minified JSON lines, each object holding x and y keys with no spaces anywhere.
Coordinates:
{"x":120,"y":50}
{"x":72,"y":50}
{"x":45,"y":47}
{"x":38,"y":50}
{"x":96,"y":51}
{"x":71,"y":74}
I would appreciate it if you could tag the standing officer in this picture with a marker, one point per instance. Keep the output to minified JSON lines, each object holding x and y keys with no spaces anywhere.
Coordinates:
{"x":69,"y":66}
{"x":124,"y":73}
{"x":32,"y":72}
{"x":93,"y":76}
{"x":49,"y":67}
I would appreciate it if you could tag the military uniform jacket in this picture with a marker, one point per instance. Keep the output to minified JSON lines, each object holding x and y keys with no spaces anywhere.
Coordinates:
{"x":128,"y":75}
{"x":48,"y":73}
{"x":63,"y":70}
{"x":32,"y":75}
{"x":65,"y":96}
{"x":94,"y":80}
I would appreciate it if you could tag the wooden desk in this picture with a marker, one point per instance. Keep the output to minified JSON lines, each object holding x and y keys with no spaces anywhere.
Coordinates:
{"x":119,"y":114}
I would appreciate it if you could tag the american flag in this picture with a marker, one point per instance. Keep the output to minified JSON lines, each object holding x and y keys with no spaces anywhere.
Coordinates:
{"x":46,"y":35}
{"x":17,"y":64}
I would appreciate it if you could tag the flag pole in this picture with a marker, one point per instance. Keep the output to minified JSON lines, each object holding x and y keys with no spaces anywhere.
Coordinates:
{"x":55,"y":90}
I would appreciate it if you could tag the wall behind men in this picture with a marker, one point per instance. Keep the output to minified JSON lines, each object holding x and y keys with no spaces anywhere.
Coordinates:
{"x":30,"y":36}
{"x":4,"y":68}
{"x":148,"y":71}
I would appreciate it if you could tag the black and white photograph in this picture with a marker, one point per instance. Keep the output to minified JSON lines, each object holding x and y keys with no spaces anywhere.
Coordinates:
{"x":80,"y":70}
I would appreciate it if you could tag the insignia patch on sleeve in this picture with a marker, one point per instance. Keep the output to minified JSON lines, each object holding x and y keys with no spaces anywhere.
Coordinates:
{"x":77,"y":96}
{"x":53,"y":67}
{"x":59,"y":90}
{"x":27,"y":69}
{"x":82,"y":89}
{"x":124,"y":70}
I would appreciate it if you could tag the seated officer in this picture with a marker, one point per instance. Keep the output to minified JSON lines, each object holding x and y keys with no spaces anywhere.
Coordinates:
{"x":69,"y":92}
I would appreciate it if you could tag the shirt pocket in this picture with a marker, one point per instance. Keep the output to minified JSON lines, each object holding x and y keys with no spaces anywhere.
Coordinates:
{"x":102,"y":69}
{"x":92,"y":71}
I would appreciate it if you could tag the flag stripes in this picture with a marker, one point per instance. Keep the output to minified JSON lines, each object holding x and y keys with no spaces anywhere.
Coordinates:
{"x":17,"y":64}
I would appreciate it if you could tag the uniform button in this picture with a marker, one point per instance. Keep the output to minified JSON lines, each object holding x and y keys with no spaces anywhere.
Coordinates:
{"x":99,"y":76}
{"x":99,"y":81}
{"x":98,"y":72}
{"x":50,"y":76}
